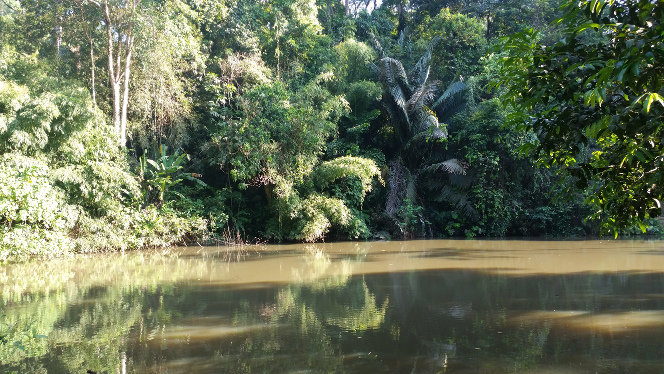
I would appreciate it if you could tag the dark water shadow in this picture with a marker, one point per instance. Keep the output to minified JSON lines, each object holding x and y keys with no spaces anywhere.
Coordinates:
{"x":236,"y":254}
{"x":652,"y":252}
{"x":463,"y":254}
{"x":472,"y":320}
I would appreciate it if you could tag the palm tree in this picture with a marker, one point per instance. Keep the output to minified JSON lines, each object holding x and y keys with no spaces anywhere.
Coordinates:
{"x":416,"y":108}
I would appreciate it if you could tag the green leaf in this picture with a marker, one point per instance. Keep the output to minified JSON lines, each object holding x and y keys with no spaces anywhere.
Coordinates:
{"x":658,"y":97}
{"x":647,"y":102}
{"x":154,"y":164}
{"x":639,"y":155}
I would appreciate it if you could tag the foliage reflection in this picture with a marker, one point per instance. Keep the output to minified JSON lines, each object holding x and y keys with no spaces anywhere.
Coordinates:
{"x":326,"y":309}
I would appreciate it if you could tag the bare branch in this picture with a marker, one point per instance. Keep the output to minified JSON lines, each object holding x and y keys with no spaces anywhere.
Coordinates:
{"x":95,"y":3}
{"x":9,"y":6}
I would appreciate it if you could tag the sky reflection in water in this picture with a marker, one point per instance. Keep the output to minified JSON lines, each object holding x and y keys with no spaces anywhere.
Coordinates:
{"x":400,"y":307}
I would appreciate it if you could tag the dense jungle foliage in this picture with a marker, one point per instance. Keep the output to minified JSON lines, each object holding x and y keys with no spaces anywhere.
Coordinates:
{"x":126,"y":124}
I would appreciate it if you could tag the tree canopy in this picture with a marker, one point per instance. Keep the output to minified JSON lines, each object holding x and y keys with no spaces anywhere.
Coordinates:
{"x":594,"y":101}
{"x":153,"y":123}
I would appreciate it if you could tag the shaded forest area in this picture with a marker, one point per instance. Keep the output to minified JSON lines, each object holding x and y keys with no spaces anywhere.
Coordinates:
{"x":137,"y":123}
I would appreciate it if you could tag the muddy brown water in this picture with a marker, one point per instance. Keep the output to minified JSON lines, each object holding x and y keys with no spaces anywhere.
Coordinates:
{"x":435,"y":306}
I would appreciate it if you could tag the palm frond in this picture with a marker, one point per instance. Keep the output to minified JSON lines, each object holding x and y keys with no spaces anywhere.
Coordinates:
{"x":466,"y":207}
{"x":428,"y":131}
{"x":404,"y":44}
{"x":394,"y":76}
{"x":390,"y":112}
{"x":399,"y":96}
{"x":447,"y":194}
{"x":451,"y":166}
{"x":374,"y":69}
{"x":437,"y":134}
{"x":452,"y":90}
{"x":462,"y":181}
{"x":421,"y":69}
{"x":451,"y":107}
{"x":435,"y":184}
{"x":400,"y":99}
{"x":422,"y":96}
{"x":459,"y":200}
{"x":420,"y":72}
{"x":430,"y":125}
{"x":423,"y":76}
{"x":402,"y":39}
{"x":418,"y":118}
{"x":395,"y":72}
{"x":377,"y":46}
{"x":451,"y":187}
{"x":386,"y":73}
{"x":427,"y":123}
{"x":416,"y":140}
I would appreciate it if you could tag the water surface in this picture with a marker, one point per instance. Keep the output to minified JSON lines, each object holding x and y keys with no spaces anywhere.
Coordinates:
{"x":383,"y":307}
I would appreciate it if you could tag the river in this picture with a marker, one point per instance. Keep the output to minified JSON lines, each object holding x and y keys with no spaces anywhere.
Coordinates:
{"x":430,"y":306}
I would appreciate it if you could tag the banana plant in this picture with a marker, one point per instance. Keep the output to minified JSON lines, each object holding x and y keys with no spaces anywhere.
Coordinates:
{"x":164,"y":172}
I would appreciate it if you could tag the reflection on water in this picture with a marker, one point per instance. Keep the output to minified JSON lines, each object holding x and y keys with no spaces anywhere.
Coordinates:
{"x":386,"y":307}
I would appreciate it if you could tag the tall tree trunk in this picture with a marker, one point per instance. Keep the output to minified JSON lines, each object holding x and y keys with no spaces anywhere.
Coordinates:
{"x":123,"y":363}
{"x":57,"y":29}
{"x":92,"y":72}
{"x":113,"y":79}
{"x":125,"y":96}
{"x":116,"y":109}
{"x":118,"y":74}
{"x":88,"y":35}
{"x":402,"y":16}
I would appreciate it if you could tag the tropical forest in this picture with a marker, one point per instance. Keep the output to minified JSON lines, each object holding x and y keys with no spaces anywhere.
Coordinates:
{"x":331,"y":186}
{"x":131,"y":124}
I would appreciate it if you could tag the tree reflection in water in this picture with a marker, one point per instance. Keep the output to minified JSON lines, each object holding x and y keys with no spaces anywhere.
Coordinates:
{"x":313,"y":308}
